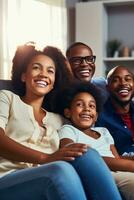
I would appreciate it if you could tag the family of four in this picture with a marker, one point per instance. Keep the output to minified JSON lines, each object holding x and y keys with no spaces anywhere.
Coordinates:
{"x":49,"y":147}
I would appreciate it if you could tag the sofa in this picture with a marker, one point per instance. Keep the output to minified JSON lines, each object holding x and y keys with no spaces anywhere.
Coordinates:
{"x":6,"y":84}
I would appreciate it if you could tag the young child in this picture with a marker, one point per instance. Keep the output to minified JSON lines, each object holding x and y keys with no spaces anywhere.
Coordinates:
{"x":80,"y":104}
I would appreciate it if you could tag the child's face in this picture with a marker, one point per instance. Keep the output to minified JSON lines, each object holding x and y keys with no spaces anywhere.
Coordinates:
{"x":82,"y":111}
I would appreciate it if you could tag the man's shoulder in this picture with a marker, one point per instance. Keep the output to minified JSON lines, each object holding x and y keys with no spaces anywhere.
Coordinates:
{"x":99,"y":81}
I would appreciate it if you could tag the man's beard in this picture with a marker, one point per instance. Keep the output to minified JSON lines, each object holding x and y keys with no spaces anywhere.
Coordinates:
{"x":120,"y":102}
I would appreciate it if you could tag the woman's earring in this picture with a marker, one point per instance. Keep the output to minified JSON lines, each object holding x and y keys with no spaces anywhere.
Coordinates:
{"x":23,"y":79}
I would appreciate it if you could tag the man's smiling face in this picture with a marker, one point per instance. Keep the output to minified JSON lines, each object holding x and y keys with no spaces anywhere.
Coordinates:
{"x":82,"y":62}
{"x":121,"y":85}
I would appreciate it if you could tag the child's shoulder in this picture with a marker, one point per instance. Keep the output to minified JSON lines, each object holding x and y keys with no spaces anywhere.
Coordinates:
{"x":101,"y":129}
{"x":67,"y":126}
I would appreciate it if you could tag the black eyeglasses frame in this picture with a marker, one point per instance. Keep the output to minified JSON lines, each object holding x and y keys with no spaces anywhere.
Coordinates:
{"x":80,"y":58}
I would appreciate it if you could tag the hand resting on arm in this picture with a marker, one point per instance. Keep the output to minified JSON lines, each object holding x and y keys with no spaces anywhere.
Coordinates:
{"x":12,"y":150}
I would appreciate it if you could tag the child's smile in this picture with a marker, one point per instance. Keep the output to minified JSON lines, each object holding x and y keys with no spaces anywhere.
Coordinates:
{"x":82,"y":111}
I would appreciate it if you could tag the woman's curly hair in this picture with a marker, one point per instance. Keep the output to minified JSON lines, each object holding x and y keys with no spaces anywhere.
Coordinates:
{"x":62,"y":78}
{"x":63,"y":73}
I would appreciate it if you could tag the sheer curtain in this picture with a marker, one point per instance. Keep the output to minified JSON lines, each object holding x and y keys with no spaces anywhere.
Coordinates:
{"x":41,"y":21}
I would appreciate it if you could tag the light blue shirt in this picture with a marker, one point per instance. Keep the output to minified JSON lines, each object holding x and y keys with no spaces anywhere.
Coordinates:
{"x":101,"y":144}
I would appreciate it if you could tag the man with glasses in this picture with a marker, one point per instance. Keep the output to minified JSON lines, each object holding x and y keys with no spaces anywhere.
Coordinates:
{"x":82,"y":62}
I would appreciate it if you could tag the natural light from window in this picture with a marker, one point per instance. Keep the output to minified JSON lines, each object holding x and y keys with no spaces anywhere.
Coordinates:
{"x":32,"y":20}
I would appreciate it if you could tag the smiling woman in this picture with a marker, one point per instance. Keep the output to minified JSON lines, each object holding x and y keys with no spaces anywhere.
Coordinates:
{"x":21,"y":15}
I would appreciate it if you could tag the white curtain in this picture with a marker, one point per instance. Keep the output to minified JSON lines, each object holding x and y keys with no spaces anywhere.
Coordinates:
{"x":41,"y":21}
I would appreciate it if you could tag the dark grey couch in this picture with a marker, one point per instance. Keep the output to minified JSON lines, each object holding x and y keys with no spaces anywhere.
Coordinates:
{"x":6,"y":84}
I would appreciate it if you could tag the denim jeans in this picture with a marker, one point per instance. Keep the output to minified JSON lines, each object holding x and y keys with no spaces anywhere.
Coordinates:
{"x":85,"y":178}
{"x":96,"y":178}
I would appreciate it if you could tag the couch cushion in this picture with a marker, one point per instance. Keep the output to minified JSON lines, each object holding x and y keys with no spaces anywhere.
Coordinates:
{"x":6,"y":84}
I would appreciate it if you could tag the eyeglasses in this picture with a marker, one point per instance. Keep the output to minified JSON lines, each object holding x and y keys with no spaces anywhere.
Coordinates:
{"x":78,"y":60}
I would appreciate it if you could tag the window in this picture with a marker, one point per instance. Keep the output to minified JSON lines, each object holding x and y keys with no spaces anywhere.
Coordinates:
{"x":44,"y":22}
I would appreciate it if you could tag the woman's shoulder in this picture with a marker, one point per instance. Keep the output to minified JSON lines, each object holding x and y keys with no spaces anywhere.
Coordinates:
{"x":8,"y":95}
{"x":54,"y":119}
{"x":54,"y":115}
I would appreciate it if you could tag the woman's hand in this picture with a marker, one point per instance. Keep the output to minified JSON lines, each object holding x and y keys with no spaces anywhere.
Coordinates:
{"x":67,"y":153}
{"x":14,"y":151}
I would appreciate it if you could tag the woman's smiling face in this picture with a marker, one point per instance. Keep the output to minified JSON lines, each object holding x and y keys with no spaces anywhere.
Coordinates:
{"x":39,"y":76}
